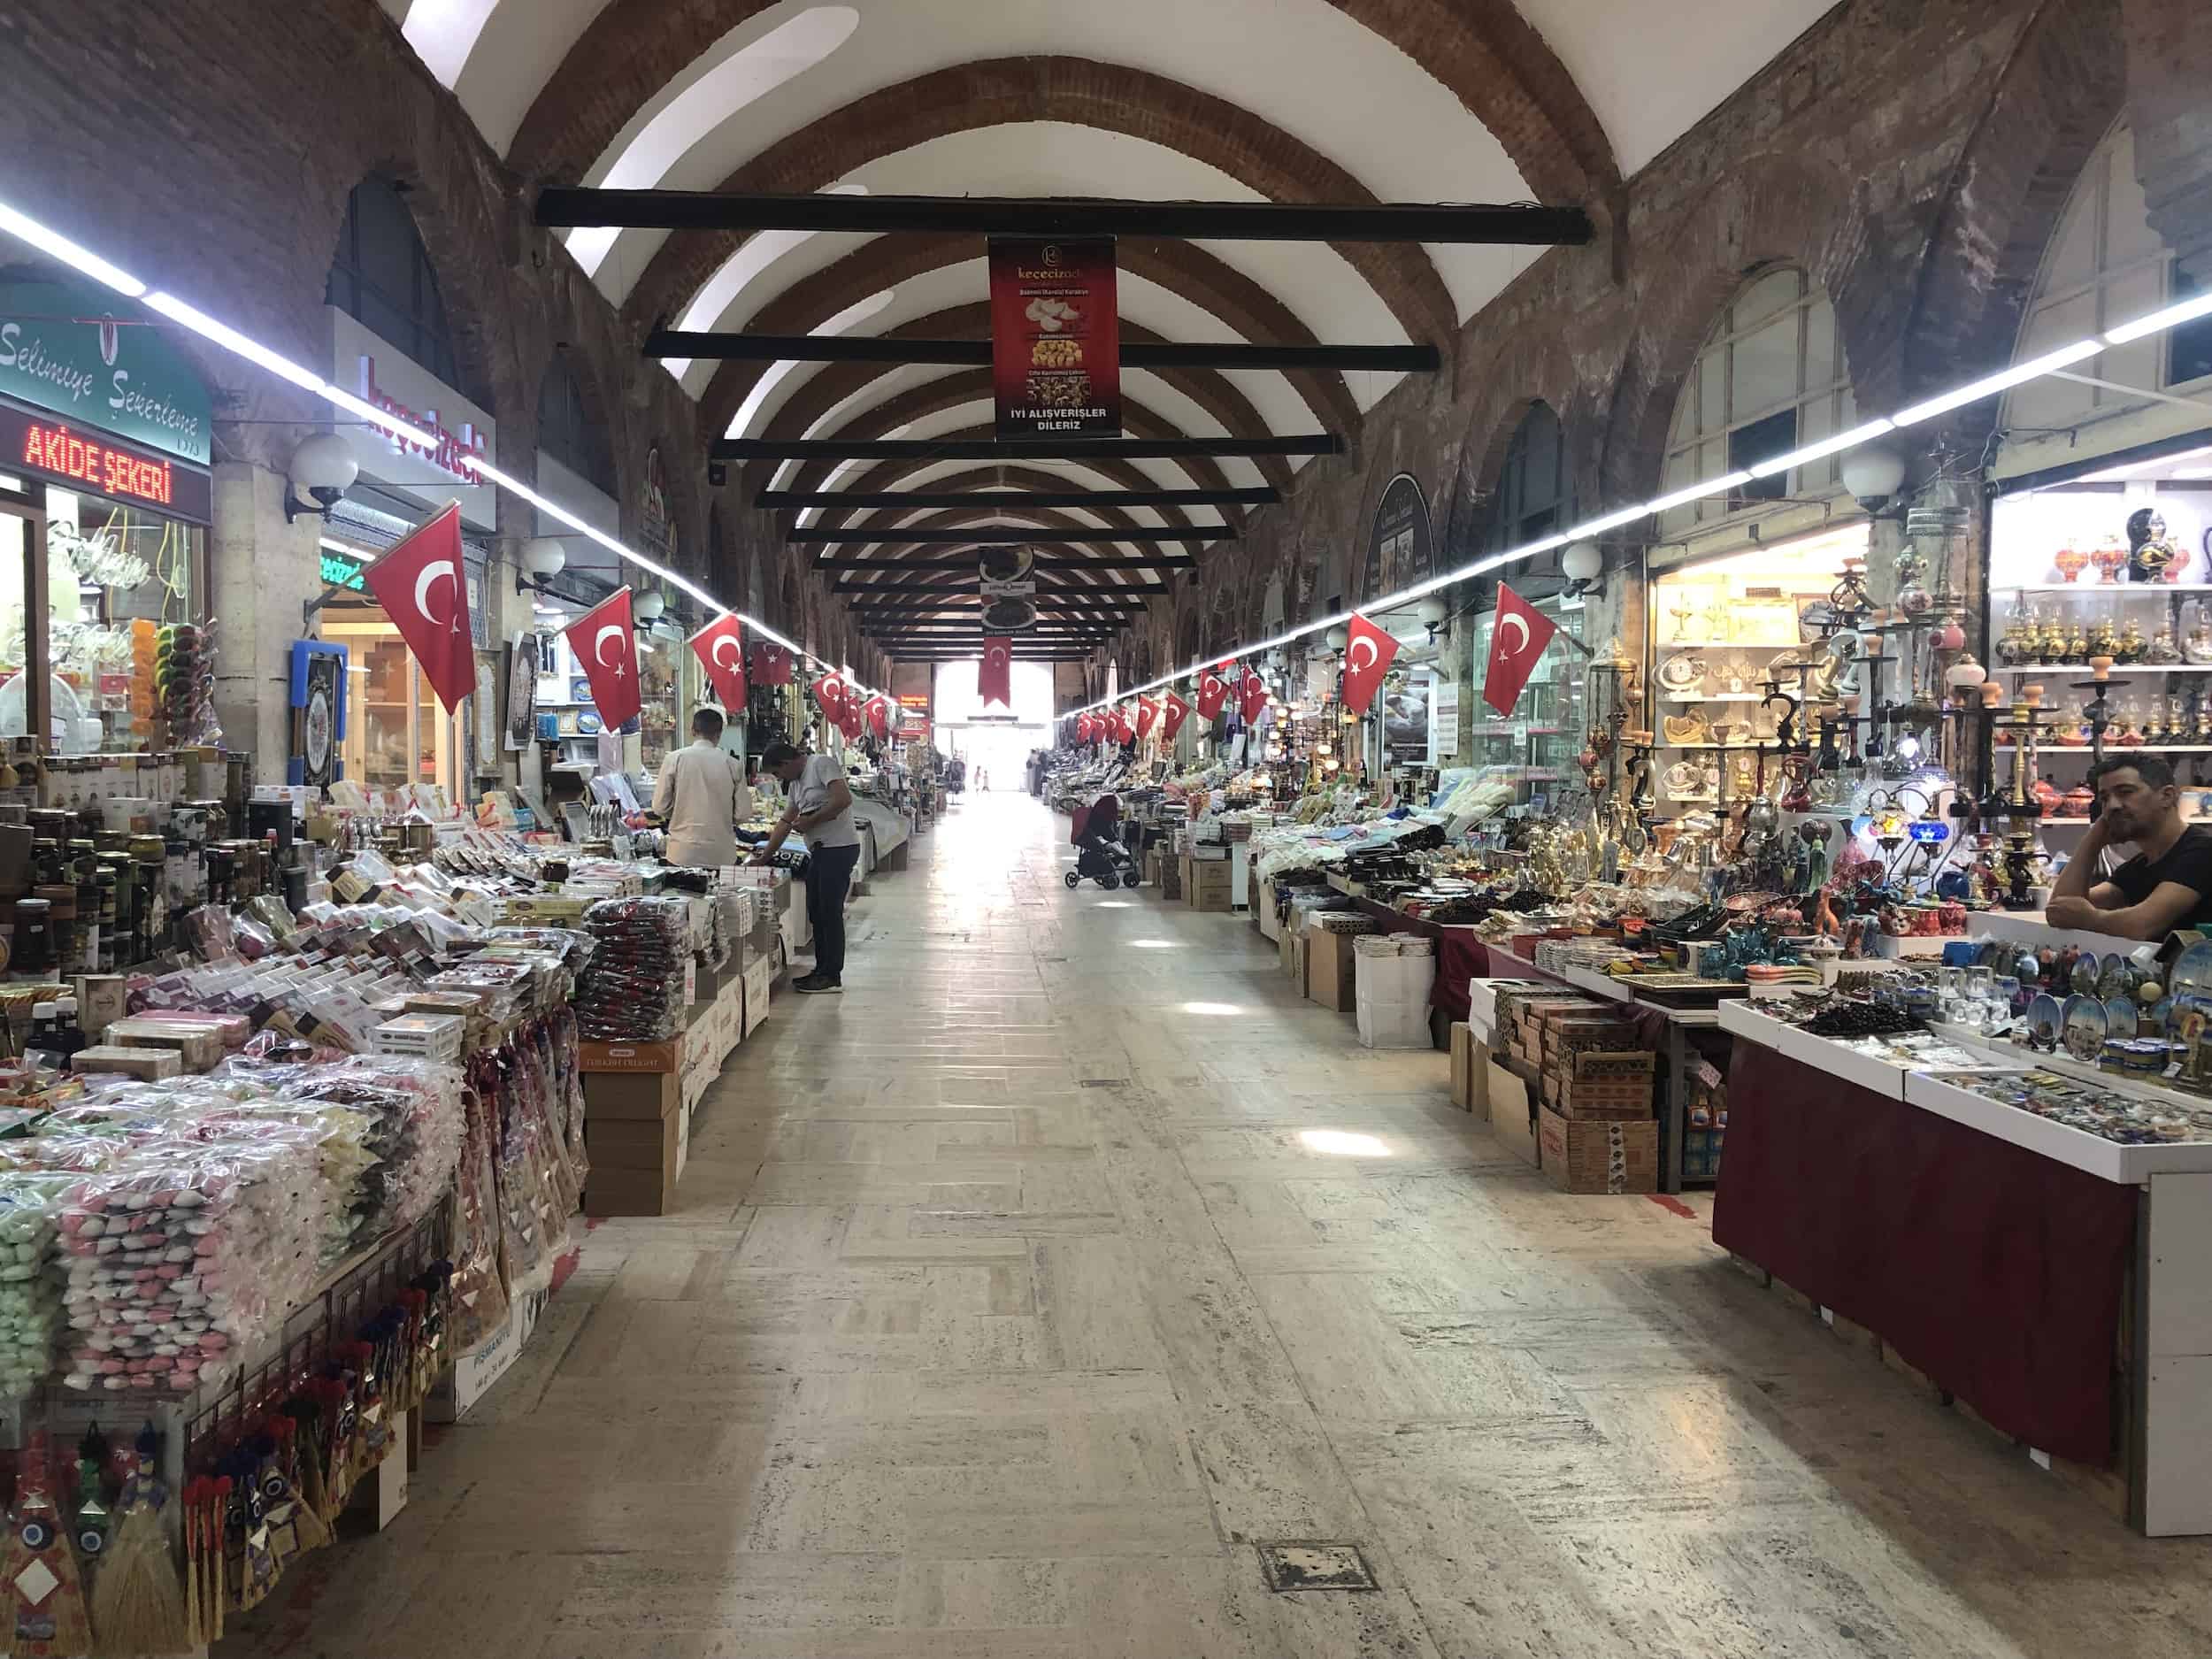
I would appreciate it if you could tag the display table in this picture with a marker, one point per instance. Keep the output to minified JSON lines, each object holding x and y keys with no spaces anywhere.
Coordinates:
{"x":1990,"y":1255}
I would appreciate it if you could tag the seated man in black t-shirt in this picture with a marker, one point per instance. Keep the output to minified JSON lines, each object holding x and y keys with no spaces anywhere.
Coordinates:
{"x":2167,"y":885}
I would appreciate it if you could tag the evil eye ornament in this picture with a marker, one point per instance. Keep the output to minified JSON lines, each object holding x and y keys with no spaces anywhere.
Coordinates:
{"x":36,"y":1534}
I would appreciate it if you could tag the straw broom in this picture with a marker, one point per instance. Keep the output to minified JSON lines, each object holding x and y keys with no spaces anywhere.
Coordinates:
{"x":137,"y":1605}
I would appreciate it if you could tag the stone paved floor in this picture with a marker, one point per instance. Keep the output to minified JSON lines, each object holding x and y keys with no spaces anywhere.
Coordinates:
{"x":1013,"y":1294}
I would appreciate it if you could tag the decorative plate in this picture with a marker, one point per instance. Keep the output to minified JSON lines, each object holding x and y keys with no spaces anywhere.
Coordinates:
{"x":2120,"y":1014}
{"x":2192,"y":975}
{"x":588,"y":724}
{"x":2085,"y":1027}
{"x":2083,"y":981}
{"x":2115,"y":978}
{"x":2044,"y":1020}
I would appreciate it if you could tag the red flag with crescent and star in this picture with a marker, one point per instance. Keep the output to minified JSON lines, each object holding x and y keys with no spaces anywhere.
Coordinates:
{"x":421,"y":588}
{"x":1123,"y":729}
{"x":1082,"y":728}
{"x":605,"y":642}
{"x":1368,"y":653}
{"x":721,"y":649}
{"x":1251,"y":695}
{"x":1517,"y":638}
{"x":1213,"y":690}
{"x":770,"y":664}
{"x":1177,"y":712}
{"x":995,"y":681}
{"x":877,"y":709}
{"x":1148,"y":714}
{"x":829,"y":692}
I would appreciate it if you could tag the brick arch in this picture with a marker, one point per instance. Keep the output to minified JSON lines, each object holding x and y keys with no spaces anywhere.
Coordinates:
{"x":1248,"y":310}
{"x":1780,"y":213}
{"x":1484,"y":51}
{"x":2050,"y":105}
{"x":1111,"y":97}
{"x":1209,"y":388}
{"x":893,"y":547}
{"x":975,"y":384}
{"x":1009,"y":481}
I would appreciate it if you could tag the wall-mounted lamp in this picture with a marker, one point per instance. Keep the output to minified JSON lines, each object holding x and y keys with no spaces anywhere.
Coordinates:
{"x":1336,"y":638}
{"x":323,"y":466}
{"x":1872,"y":472}
{"x":1583,"y":564}
{"x":647,"y":607}
{"x":1432,"y":614}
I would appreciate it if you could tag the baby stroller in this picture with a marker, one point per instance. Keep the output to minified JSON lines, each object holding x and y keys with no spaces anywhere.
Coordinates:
{"x":1098,"y":859}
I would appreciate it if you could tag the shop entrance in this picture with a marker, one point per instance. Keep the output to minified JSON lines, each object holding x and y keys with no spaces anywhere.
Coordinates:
{"x":994,"y":742}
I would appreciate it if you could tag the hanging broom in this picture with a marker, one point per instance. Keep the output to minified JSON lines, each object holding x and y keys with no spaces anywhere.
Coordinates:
{"x":137,"y":1605}
{"x":38,"y":1572}
{"x":309,"y":1530}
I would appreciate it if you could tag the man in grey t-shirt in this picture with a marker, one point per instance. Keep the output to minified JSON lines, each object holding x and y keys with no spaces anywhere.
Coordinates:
{"x":820,"y":807}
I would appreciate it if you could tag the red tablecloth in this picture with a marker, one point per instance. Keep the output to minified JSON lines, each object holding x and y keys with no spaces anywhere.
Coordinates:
{"x":1459,"y":956}
{"x":1996,"y":1272}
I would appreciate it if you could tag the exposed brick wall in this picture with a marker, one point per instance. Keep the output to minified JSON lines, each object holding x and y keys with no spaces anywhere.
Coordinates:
{"x":2169,"y":48}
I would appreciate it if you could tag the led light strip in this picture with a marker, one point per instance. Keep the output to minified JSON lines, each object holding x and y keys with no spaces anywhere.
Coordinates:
{"x":1974,"y":391}
{"x":79,"y":259}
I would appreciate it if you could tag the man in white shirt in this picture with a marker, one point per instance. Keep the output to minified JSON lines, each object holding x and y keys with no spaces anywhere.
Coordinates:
{"x":819,"y":806}
{"x":700,"y":795}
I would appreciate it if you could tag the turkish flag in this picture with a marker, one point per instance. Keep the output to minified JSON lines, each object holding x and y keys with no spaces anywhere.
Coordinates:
{"x":829,"y":692}
{"x":877,"y":709}
{"x":1123,"y":730}
{"x":1177,"y":710}
{"x":850,"y":721}
{"x":995,"y":681}
{"x":605,"y":642}
{"x":1213,"y":690}
{"x":1368,"y":653}
{"x":1252,"y":696}
{"x":1148,"y":711}
{"x":771,"y":664}
{"x":1517,"y":638}
{"x":421,"y":588}
{"x":721,"y":649}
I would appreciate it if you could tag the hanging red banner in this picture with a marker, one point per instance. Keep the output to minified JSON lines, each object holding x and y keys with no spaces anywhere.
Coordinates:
{"x":1517,"y":638}
{"x":1055,"y":338}
{"x":1148,"y":712}
{"x":770,"y":664}
{"x":1213,"y":691}
{"x":1083,"y":725}
{"x":605,"y":642}
{"x":1252,"y":696}
{"x":421,"y":588}
{"x":721,"y":649}
{"x":995,"y":681}
{"x":1177,"y":710}
{"x":1368,"y":653}
{"x":829,"y":692}
{"x":877,"y":709}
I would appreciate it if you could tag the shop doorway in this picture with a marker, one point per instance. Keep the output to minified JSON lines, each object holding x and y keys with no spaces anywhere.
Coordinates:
{"x":993,"y":742}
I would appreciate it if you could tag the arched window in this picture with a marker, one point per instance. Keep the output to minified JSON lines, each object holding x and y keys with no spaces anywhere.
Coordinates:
{"x":1770,"y":379}
{"x":382,"y":278}
{"x":1535,"y":493}
{"x":568,"y":433}
{"x":2105,"y":265}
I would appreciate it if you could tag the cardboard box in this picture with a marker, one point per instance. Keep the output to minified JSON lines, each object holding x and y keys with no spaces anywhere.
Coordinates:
{"x":633,"y":1145}
{"x":1205,"y":884}
{"x":1462,"y":1050}
{"x":1331,"y":977}
{"x":1512,"y":1113}
{"x":1582,"y":1155}
{"x":148,"y":1065}
{"x":453,"y":1394}
{"x":626,"y":1193}
{"x":1479,"y":1063}
{"x":759,"y":982}
{"x":630,"y":1056}
{"x":648,"y":1096}
{"x":1264,"y":912}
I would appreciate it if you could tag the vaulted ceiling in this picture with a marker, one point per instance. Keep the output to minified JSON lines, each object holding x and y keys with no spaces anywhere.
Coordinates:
{"x":1319,"y":101}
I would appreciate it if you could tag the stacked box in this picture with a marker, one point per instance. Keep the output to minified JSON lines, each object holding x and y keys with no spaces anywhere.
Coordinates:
{"x":1206,"y":883}
{"x":1597,"y":1085}
{"x":1599,"y":1156}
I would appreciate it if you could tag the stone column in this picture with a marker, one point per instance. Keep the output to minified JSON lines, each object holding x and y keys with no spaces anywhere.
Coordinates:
{"x":260,"y":572}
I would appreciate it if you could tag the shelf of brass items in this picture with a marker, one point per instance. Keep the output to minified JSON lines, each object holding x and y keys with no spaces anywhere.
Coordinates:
{"x":2117,"y":668}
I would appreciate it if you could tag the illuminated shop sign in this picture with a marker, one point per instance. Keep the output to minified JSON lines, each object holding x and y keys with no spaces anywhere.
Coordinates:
{"x":98,"y":465}
{"x":454,"y":451}
{"x":341,"y":572}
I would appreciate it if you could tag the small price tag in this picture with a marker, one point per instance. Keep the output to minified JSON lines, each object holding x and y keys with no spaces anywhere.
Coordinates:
{"x":1702,"y":1072}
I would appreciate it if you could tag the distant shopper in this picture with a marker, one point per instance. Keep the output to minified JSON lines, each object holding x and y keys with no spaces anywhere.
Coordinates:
{"x":818,"y":806}
{"x":700,"y":796}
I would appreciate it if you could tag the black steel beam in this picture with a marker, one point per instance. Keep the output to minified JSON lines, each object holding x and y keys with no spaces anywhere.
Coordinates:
{"x":928,"y":607}
{"x":715,"y":346}
{"x":1152,"y":562}
{"x":1530,"y":225}
{"x":1261,"y":495}
{"x":1010,"y":535}
{"x":1018,"y":449}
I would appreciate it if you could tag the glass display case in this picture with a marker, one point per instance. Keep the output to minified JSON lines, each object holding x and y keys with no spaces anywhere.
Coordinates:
{"x":1547,"y":730}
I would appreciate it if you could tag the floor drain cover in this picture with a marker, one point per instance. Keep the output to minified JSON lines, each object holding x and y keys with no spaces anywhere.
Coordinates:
{"x":1105,"y":1082}
{"x":1316,"y":1567}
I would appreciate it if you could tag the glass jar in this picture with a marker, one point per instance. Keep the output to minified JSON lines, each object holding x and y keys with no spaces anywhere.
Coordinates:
{"x":33,"y":948}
